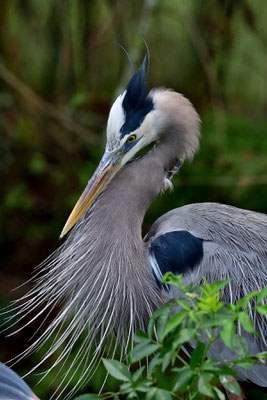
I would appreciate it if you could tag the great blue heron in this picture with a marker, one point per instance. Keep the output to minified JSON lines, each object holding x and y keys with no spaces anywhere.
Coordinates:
{"x":106,"y":278}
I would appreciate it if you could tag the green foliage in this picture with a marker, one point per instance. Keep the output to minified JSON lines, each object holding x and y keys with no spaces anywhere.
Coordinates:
{"x":197,"y":318}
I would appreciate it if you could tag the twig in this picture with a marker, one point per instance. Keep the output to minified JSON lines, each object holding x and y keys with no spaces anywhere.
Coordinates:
{"x":45,"y":107}
{"x":209,"y":68}
{"x":239,"y":181}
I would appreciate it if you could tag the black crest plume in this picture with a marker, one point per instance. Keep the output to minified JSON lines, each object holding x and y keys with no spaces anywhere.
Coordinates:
{"x":136,"y":103}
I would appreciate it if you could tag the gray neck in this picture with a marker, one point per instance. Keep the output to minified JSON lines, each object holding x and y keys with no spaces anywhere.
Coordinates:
{"x":101,"y":276}
{"x":117,"y":216}
{"x":131,"y":192}
{"x":109,"y":245}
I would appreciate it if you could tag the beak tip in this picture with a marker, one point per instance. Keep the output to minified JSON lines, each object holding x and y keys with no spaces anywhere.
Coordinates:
{"x":102,"y":176}
{"x":63,"y":232}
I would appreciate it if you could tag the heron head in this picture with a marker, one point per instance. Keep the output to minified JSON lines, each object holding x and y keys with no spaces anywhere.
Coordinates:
{"x":129,"y":127}
{"x":136,"y":119}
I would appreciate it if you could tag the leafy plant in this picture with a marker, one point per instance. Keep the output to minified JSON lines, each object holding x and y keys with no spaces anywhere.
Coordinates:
{"x":197,"y":318}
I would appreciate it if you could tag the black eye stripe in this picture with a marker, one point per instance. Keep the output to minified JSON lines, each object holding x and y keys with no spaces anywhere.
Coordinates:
{"x":134,"y":119}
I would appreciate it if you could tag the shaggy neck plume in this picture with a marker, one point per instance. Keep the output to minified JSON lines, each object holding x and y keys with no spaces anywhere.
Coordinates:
{"x":100,"y":279}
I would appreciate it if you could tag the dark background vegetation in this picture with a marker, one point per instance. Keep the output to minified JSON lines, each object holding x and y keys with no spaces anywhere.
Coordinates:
{"x":60,"y":72}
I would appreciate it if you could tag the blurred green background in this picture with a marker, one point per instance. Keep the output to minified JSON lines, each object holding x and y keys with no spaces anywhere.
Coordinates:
{"x":60,"y":72}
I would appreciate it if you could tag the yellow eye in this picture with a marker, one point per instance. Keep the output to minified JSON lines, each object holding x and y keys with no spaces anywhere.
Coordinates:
{"x":131,"y":139}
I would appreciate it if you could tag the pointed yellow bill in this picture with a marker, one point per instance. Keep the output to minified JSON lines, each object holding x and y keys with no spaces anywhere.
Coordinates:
{"x":108,"y":167}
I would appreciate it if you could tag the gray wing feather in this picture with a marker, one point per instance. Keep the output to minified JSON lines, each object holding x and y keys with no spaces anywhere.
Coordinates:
{"x":235,"y":248}
{"x":234,"y":240}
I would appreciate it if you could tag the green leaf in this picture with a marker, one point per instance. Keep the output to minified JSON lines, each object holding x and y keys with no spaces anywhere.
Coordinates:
{"x":117,"y":369}
{"x":208,"y":366}
{"x":220,"y":394}
{"x":166,"y":361}
{"x":126,"y":388}
{"x":245,"y":300}
{"x":193,"y":316}
{"x":246,"y":322}
{"x":262,"y":295}
{"x":175,"y":321}
{"x":227,"y":333}
{"x":141,"y":351}
{"x":151,"y":393}
{"x":150,"y":327}
{"x":197,"y":354}
{"x":240,"y":345}
{"x":167,"y":345}
{"x":204,"y":386}
{"x":156,"y":360}
{"x":218,"y":285}
{"x":162,"y":394}
{"x":170,"y":279}
{"x":132,"y":395}
{"x":213,"y":322}
{"x":183,"y":379}
{"x":225,"y":370}
{"x":262,"y":309}
{"x":184,"y":336}
{"x":163,"y":310}
{"x":144,"y":386}
{"x":230,"y":383}
{"x":261,"y":356}
{"x":161,"y":325}
{"x":184,"y":304}
{"x":246,"y":363}
{"x":137,"y":374}
{"x":141,"y":337}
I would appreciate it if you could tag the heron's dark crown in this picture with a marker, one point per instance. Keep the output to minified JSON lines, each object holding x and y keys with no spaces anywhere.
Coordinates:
{"x":136,"y":103}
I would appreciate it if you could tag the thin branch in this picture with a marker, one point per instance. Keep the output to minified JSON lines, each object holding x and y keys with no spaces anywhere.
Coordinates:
{"x":239,"y":181}
{"x":202,"y":51}
{"x":45,"y":107}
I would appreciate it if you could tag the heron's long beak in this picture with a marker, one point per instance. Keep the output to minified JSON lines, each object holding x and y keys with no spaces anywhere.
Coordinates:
{"x":108,"y":167}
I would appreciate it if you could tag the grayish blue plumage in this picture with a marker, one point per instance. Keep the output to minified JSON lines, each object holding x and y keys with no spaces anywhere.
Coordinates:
{"x":12,"y":387}
{"x":104,"y":279}
{"x":235,"y":248}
